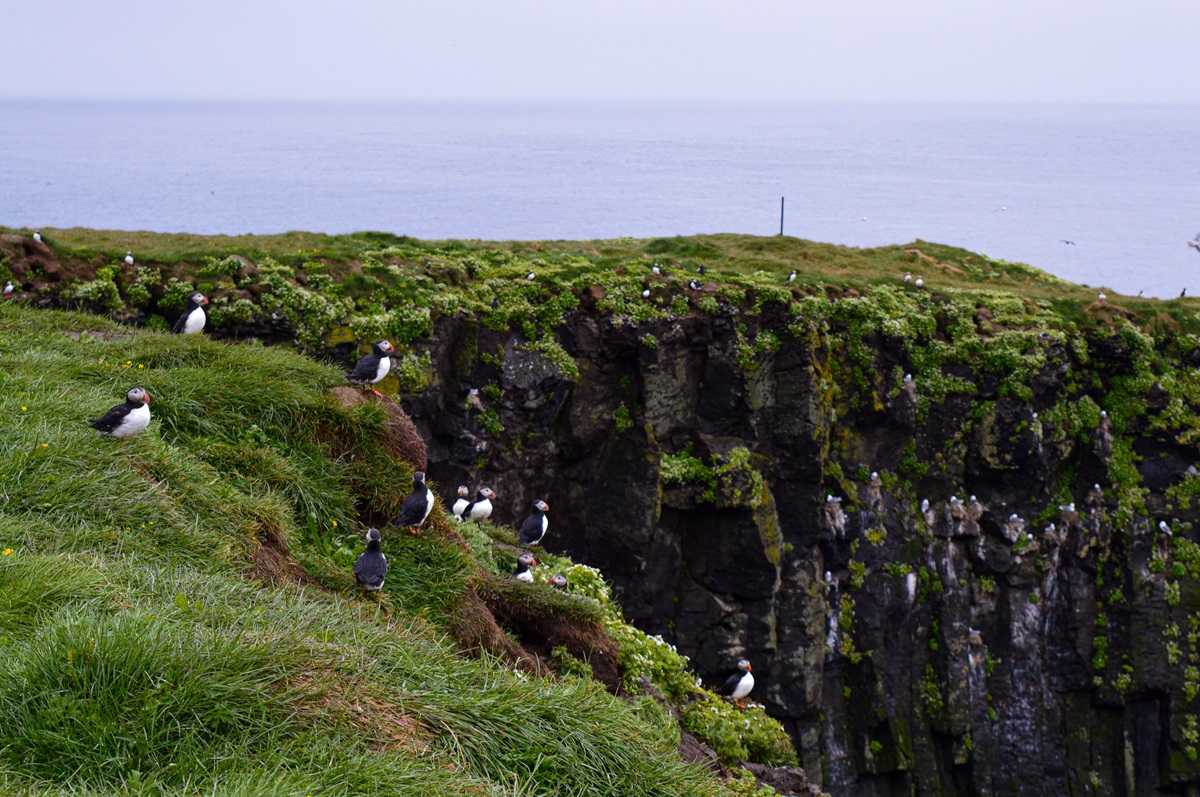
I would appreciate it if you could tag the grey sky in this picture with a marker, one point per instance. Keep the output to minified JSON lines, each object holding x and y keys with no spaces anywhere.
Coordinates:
{"x":854,"y":50}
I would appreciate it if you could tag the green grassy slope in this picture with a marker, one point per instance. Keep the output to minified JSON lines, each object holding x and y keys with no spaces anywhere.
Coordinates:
{"x":142,"y":653}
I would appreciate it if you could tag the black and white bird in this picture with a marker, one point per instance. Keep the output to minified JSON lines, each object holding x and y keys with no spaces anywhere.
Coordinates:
{"x":908,"y":277}
{"x":1101,"y":297}
{"x":558,"y":581}
{"x":129,"y":258}
{"x":646,"y":294}
{"x":701,"y":270}
{"x":739,"y":684}
{"x":1065,"y":241}
{"x":694,"y":285}
{"x":463,"y":501}
{"x":1195,"y":242}
{"x":1164,"y":528}
{"x":524,"y":562}
{"x":417,"y":506}
{"x":920,"y":283}
{"x":481,"y":507}
{"x":374,"y":367}
{"x":37,"y":237}
{"x":530,"y":275}
{"x":792,"y":276}
{"x":657,"y":271}
{"x":371,"y":566}
{"x":126,"y":420}
{"x":534,"y":527}
{"x":193,"y":318}
{"x":8,"y":289}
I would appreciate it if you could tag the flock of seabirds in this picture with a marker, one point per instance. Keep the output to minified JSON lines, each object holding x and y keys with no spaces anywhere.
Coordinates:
{"x":371,"y":567}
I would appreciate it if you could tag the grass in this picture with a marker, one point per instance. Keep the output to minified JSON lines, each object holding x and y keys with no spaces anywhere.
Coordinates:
{"x":140,"y":659}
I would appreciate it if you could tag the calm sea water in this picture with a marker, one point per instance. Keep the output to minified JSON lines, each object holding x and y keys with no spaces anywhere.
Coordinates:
{"x":1119,"y":181}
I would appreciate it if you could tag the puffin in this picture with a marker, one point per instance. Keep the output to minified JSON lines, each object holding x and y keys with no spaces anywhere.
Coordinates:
{"x":416,"y":507}
{"x":129,"y":258}
{"x":646,"y":295}
{"x":193,"y":317}
{"x":8,"y":289}
{"x":462,"y":503}
{"x":530,"y":275}
{"x":524,"y":562}
{"x":694,"y":285}
{"x":37,"y":236}
{"x":657,"y":271}
{"x":125,"y":420}
{"x":792,"y":276}
{"x":701,"y":270}
{"x":534,"y":527}
{"x":558,"y":581}
{"x":739,"y":684}
{"x":370,"y":568}
{"x":373,"y":367}
{"x":481,"y":507}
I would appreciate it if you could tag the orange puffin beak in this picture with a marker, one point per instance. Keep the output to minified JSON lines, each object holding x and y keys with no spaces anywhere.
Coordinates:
{"x":204,"y":300}
{"x":749,"y":668}
{"x":147,"y":398}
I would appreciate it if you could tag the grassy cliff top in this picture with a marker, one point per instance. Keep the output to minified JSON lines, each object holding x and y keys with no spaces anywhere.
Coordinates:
{"x":178,"y":615}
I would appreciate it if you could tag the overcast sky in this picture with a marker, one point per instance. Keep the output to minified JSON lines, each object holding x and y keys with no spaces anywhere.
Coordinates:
{"x":683,"y":50}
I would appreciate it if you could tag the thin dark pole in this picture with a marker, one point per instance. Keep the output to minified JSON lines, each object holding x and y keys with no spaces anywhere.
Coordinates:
{"x":781,"y":215}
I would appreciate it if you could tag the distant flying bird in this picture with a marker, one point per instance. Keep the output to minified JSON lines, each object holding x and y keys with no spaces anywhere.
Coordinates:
{"x":1065,"y":241}
{"x":860,"y":218}
{"x":1001,"y":209}
{"x":129,"y":258}
{"x":1195,"y":242}
{"x":37,"y":237}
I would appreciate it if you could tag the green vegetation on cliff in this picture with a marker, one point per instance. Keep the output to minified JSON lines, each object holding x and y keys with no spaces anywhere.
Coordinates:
{"x":177,"y":614}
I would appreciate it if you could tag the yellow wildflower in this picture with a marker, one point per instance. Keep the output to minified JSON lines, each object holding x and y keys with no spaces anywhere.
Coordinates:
{"x":8,"y":551}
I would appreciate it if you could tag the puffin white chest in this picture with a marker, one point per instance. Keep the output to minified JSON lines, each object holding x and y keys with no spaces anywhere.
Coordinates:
{"x":460,"y":506}
{"x":526,"y":576}
{"x":136,"y":421}
{"x":381,"y":370}
{"x":194,"y":322}
{"x":481,"y":510}
{"x":428,"y":501}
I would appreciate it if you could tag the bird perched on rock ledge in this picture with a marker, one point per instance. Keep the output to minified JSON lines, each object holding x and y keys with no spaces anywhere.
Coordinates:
{"x":373,"y":368}
{"x":534,"y":527}
{"x":416,"y":507}
{"x":739,"y":684}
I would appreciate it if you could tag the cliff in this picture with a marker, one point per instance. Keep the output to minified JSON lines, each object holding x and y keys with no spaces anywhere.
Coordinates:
{"x":951,"y":526}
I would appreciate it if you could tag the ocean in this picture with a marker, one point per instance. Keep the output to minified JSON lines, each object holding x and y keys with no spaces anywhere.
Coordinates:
{"x":1010,"y":181}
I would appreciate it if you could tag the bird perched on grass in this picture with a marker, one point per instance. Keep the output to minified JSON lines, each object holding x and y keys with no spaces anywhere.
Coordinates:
{"x":8,"y":289}
{"x":374,"y":367}
{"x":524,"y":562}
{"x":558,"y":581}
{"x":126,"y":420}
{"x":739,"y":684}
{"x":657,"y":271}
{"x":37,"y":237}
{"x":371,"y":566}
{"x":129,"y":258}
{"x":193,"y":318}
{"x":462,"y":502}
{"x":792,"y":276}
{"x":481,"y":507}
{"x":534,"y":527}
{"x":417,"y":506}
{"x":531,"y":276}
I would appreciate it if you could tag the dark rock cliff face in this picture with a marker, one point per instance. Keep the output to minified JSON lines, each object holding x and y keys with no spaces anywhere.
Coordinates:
{"x":1029,"y":630}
